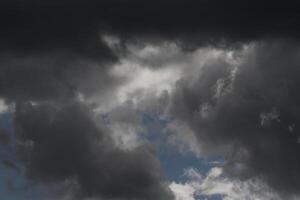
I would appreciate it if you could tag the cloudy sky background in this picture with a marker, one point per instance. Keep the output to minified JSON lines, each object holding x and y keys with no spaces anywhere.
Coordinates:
{"x":149,"y":100}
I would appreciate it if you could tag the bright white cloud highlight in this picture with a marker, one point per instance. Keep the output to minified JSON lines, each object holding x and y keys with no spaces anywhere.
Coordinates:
{"x":3,"y":106}
{"x":214,"y":183}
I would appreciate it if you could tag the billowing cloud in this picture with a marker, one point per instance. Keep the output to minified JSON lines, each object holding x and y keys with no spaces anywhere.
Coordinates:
{"x":215,"y":184}
{"x":247,"y":111}
{"x":66,"y":144}
{"x":80,"y":76}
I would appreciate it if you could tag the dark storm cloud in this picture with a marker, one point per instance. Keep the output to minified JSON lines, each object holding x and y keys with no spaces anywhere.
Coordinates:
{"x":52,"y":75}
{"x":52,"y":50}
{"x":4,"y":137}
{"x":67,"y":144}
{"x":28,"y":25}
{"x":47,"y":47}
{"x":254,"y":119}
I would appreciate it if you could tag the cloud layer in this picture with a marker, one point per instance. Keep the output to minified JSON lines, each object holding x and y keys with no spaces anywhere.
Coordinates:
{"x":248,"y":111}
{"x":65,"y":143}
{"x":80,"y":75}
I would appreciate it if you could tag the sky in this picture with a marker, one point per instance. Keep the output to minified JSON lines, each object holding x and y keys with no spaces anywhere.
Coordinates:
{"x":149,"y":100}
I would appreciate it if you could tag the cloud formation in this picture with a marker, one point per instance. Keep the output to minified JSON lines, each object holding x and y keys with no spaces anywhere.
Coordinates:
{"x":75,"y":25}
{"x":226,"y":71}
{"x":214,"y":184}
{"x":66,"y":144}
{"x":248,"y":111}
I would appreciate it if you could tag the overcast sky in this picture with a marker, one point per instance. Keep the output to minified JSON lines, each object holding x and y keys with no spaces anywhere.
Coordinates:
{"x":149,"y":100}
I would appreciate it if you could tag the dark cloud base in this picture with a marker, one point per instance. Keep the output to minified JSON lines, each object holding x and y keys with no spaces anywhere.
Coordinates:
{"x":67,"y":144}
{"x":50,"y":50}
{"x":254,"y":122}
{"x":75,"y":25}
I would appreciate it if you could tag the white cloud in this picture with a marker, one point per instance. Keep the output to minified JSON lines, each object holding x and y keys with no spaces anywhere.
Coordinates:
{"x":154,"y":68}
{"x":183,"y":191}
{"x":142,"y":78}
{"x":149,"y":74}
{"x":3,"y":106}
{"x":214,"y":183}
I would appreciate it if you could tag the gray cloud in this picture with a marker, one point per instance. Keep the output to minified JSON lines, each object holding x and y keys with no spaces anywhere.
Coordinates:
{"x":55,"y":75}
{"x":265,"y":86}
{"x":52,"y":54}
{"x":34,"y":25}
{"x":66,"y":144}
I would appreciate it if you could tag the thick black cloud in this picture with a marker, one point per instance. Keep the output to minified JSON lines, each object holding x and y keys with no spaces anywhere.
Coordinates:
{"x":67,"y":144}
{"x":76,"y":24}
{"x":53,"y":75}
{"x":4,"y":137}
{"x":47,"y":47}
{"x":253,"y":121}
{"x":52,"y":50}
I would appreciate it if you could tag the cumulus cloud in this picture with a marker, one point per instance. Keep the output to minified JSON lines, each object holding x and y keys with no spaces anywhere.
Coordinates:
{"x":215,"y":184}
{"x":81,"y":74}
{"x":251,"y":122}
{"x":218,"y":108}
{"x":66,"y":144}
